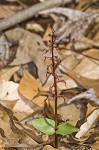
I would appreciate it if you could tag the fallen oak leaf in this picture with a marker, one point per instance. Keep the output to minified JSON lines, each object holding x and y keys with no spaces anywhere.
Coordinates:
{"x":29,"y":86}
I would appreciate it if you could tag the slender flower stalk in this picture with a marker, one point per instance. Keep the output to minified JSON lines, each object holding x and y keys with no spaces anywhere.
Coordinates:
{"x":55,"y":88}
{"x":51,"y":70}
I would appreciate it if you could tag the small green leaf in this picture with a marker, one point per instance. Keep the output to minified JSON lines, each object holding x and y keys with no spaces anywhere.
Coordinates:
{"x":66,"y":128}
{"x":44,"y":125}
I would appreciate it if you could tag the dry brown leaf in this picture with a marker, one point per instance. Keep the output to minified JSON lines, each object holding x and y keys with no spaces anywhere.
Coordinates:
{"x":65,"y":111}
{"x":83,"y":81}
{"x":31,"y":48}
{"x":8,"y":94}
{"x":9,"y":90}
{"x":10,"y":98}
{"x":90,"y":70}
{"x":23,"y":108}
{"x":72,"y":116}
{"x":6,"y":73}
{"x":29,"y":87}
{"x":30,"y":137}
{"x":71,"y":61}
{"x":5,"y":124}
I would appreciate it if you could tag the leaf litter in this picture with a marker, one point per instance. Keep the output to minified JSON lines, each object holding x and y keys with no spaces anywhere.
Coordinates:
{"x":24,"y":96}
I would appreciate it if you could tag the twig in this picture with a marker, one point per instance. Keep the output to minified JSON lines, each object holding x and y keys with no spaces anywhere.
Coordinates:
{"x":74,"y":27}
{"x":73,"y":15}
{"x":89,"y":94}
{"x":29,"y":13}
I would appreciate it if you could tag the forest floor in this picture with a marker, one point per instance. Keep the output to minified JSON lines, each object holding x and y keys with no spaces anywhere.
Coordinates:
{"x":26,"y":74}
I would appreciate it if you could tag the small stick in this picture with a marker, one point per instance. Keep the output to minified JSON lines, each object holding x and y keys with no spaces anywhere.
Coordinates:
{"x":89,"y":94}
{"x":28,"y":13}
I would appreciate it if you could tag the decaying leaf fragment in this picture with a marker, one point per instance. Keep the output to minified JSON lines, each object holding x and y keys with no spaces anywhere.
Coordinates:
{"x":88,"y":124}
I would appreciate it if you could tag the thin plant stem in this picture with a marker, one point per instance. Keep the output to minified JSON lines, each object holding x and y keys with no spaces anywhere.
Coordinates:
{"x":55,"y":89}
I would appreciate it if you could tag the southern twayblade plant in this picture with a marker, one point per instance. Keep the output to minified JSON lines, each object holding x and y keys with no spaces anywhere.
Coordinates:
{"x":46,"y":125}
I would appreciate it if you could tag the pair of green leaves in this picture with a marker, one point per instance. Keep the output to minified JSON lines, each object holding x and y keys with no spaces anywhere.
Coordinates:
{"x":47,"y":126}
